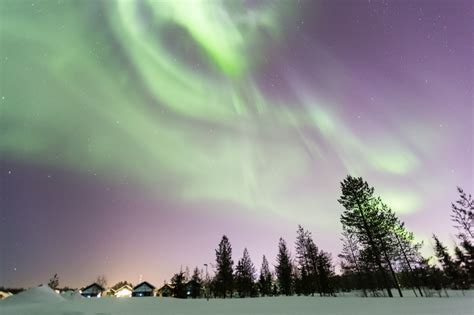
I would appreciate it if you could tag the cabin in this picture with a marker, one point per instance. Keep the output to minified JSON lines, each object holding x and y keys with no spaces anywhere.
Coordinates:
{"x":124,"y":291}
{"x":93,"y":290}
{"x":4,"y":294}
{"x":143,"y":289}
{"x":165,"y":291}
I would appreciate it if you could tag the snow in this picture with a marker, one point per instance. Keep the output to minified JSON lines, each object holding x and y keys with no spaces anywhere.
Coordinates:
{"x":38,"y":295}
{"x":72,"y":295}
{"x":40,"y":301}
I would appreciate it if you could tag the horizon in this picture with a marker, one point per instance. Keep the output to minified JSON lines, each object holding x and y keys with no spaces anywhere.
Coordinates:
{"x":135,"y":134}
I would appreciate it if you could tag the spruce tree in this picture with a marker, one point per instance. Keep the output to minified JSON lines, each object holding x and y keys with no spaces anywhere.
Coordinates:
{"x":265,"y":279}
{"x":284,"y":269}
{"x":224,"y":279}
{"x":245,"y":275}
{"x":307,"y":274}
{"x":196,"y":283}
{"x":468,"y":260}
{"x":179,"y":285}
{"x":326,"y":273}
{"x":446,"y":261}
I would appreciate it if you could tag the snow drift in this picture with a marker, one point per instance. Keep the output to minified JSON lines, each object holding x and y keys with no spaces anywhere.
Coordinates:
{"x":38,"y":295}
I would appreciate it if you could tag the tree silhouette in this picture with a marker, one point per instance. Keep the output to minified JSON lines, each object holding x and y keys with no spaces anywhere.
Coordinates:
{"x":224,"y":279}
{"x":284,"y":268}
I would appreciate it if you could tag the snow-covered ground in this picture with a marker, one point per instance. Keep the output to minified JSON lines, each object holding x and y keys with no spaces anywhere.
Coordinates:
{"x":43,"y":301}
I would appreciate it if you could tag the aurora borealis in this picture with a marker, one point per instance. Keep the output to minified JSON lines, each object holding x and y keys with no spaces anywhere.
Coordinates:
{"x":141,"y":131}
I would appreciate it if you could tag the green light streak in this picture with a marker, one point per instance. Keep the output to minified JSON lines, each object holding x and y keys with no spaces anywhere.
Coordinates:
{"x":120,"y":102}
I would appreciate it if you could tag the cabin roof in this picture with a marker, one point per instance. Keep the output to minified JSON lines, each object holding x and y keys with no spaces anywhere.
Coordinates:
{"x":125,"y":286}
{"x":144,"y":283}
{"x":93,"y":285}
{"x":166,"y":285}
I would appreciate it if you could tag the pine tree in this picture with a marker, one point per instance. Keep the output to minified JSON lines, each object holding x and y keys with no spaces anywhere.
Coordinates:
{"x":384,"y":222}
{"x":284,"y":268}
{"x":179,"y":285}
{"x":265,"y":279}
{"x":326,"y":273}
{"x":245,"y":275}
{"x":306,"y":252}
{"x":224,"y":279}
{"x":361,"y":218}
{"x":460,"y":265}
{"x":468,"y":260}
{"x":446,"y":261}
{"x":196,"y":283}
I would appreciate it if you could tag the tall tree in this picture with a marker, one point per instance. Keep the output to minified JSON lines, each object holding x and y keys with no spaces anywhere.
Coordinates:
{"x":179,"y":285}
{"x":306,"y":274}
{"x":284,"y":268}
{"x":361,"y":218}
{"x":409,"y":252}
{"x":446,"y":261}
{"x":245,"y":275}
{"x":265,"y":279}
{"x":326,"y":273}
{"x":196,"y":283}
{"x":384,"y":222}
{"x":224,"y":279}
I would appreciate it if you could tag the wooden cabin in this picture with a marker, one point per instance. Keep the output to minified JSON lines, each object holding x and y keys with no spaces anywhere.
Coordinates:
{"x":4,"y":294}
{"x":93,"y":290}
{"x":165,"y":291}
{"x":143,"y":289}
{"x":124,"y":291}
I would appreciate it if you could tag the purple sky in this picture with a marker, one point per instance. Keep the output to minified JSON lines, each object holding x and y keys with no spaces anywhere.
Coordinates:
{"x":130,"y":144}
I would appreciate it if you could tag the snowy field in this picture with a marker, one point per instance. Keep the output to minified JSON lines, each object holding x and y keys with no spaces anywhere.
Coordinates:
{"x":43,"y":302}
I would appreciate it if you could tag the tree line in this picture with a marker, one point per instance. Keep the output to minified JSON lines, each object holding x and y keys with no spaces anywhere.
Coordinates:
{"x":379,"y":256}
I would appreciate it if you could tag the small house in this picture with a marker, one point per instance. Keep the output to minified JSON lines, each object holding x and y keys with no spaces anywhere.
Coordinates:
{"x":4,"y":294}
{"x":124,"y":291}
{"x":165,"y":291}
{"x":93,"y":290}
{"x":143,"y":289}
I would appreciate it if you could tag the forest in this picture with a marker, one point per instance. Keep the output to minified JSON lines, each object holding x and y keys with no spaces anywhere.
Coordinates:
{"x":379,"y":257}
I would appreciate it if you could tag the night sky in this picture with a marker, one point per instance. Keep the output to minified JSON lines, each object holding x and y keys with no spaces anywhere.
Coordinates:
{"x":133,"y":135}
